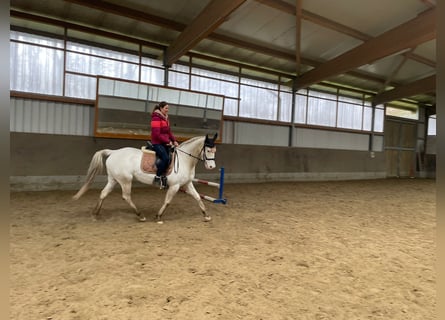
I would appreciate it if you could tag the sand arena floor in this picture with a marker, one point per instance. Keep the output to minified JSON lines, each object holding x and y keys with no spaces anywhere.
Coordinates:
{"x":302,"y":250}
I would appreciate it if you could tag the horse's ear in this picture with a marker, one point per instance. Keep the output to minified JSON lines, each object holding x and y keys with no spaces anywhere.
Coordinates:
{"x":215,"y":136}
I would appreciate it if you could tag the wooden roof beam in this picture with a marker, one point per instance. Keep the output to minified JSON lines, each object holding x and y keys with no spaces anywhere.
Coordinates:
{"x":129,"y":13}
{"x":424,"y":85}
{"x":204,"y":24}
{"x":407,"y":35}
{"x":332,"y":25}
{"x":319,"y":20}
{"x":298,"y":36}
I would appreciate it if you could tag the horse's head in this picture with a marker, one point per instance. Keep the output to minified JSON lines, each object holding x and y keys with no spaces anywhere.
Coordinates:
{"x":209,"y":152}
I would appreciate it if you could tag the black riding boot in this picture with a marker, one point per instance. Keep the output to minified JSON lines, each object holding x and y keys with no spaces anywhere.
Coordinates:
{"x":160,"y":181}
{"x":164,"y":184}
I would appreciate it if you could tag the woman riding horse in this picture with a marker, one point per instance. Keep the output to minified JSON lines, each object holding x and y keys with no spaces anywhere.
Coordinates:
{"x":162,"y":140}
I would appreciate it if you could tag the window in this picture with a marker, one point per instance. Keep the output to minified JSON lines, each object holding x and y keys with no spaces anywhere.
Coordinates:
{"x":379,"y":117}
{"x":259,"y":99}
{"x":152,"y":71}
{"x":285,"y":107}
{"x":36,"y":64}
{"x":218,"y":83}
{"x":432,"y":125}
{"x":321,"y":112}
{"x":300,"y":107}
{"x":178,"y":77}
{"x":350,"y":115}
{"x":103,"y":65}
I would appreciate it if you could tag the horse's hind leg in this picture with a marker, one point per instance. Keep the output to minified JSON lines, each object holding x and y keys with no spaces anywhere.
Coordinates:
{"x":126,"y":195}
{"x":104,"y":193}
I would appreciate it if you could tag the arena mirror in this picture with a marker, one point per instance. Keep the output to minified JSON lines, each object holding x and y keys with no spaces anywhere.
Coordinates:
{"x":123,"y":110}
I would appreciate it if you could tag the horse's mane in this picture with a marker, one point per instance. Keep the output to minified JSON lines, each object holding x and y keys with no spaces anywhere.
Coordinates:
{"x":191,"y":140}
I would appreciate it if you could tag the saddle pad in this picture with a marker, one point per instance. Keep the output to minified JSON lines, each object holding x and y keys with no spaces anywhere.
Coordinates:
{"x":148,"y":162}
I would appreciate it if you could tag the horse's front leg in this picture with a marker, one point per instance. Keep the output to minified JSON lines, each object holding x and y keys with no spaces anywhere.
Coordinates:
{"x":190,"y":189}
{"x":172,"y":190}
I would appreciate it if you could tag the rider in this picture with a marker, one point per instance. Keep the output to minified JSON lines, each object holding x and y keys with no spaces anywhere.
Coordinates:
{"x":162,"y":139}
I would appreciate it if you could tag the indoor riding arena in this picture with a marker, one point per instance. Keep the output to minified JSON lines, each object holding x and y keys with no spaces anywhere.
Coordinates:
{"x":322,"y":204}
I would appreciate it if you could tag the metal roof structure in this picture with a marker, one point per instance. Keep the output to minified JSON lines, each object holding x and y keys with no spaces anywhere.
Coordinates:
{"x":387,"y":48}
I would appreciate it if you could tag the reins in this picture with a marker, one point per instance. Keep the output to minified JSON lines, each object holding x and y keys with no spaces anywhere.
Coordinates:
{"x":189,"y":154}
{"x":176,"y":164}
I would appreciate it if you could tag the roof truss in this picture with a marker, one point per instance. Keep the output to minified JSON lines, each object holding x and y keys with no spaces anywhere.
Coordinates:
{"x":408,"y":35}
{"x":424,"y":85}
{"x":205,"y":23}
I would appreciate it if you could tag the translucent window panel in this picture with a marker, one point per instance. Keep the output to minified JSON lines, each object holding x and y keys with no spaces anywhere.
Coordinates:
{"x":178,"y":80}
{"x":152,"y":62}
{"x":258,"y":103}
{"x":37,"y":39}
{"x":152,"y":75}
{"x":215,"y":86}
{"x":321,"y":112}
{"x":300,"y":108}
{"x":349,"y":116}
{"x":230,"y":107}
{"x":367,"y":118}
{"x":110,"y":87}
{"x":258,"y":83}
{"x":432,"y":125}
{"x":214,"y":102}
{"x":36,"y":69}
{"x":285,"y":110}
{"x":105,"y":53}
{"x":378,"y":119}
{"x":324,"y":95}
{"x":81,"y":63}
{"x":78,"y":86}
{"x":199,"y":99}
{"x":214,"y":75}
{"x":180,"y":68}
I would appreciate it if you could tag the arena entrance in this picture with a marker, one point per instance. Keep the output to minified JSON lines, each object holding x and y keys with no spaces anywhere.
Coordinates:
{"x":400,"y":148}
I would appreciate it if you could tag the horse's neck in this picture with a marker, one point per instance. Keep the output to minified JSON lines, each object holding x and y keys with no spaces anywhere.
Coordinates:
{"x":192,"y":150}
{"x":193,"y":146}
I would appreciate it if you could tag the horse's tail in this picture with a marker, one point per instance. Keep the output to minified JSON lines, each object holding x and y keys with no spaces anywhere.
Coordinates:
{"x":96,"y":167}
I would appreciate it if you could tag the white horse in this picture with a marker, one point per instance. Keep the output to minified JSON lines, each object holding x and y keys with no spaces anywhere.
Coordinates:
{"x":125,"y":164}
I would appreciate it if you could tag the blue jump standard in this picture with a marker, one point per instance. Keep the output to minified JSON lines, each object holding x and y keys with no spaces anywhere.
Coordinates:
{"x":221,"y":188}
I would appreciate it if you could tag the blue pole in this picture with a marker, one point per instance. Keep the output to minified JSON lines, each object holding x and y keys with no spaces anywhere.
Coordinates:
{"x":221,"y":182}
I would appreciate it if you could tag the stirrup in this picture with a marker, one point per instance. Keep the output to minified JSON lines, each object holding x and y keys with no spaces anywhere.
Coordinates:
{"x":157,"y":181}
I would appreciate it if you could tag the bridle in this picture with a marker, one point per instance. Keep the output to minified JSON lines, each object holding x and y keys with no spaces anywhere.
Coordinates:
{"x":208,"y":144}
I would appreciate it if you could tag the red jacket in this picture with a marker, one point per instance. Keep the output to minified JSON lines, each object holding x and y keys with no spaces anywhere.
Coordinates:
{"x":160,"y":129}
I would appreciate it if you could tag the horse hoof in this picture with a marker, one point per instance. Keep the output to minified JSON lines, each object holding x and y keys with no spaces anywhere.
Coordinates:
{"x":160,"y":222}
{"x":142,"y":219}
{"x":207,"y":219}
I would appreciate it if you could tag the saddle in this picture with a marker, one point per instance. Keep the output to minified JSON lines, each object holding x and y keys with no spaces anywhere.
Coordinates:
{"x":150,"y":159}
